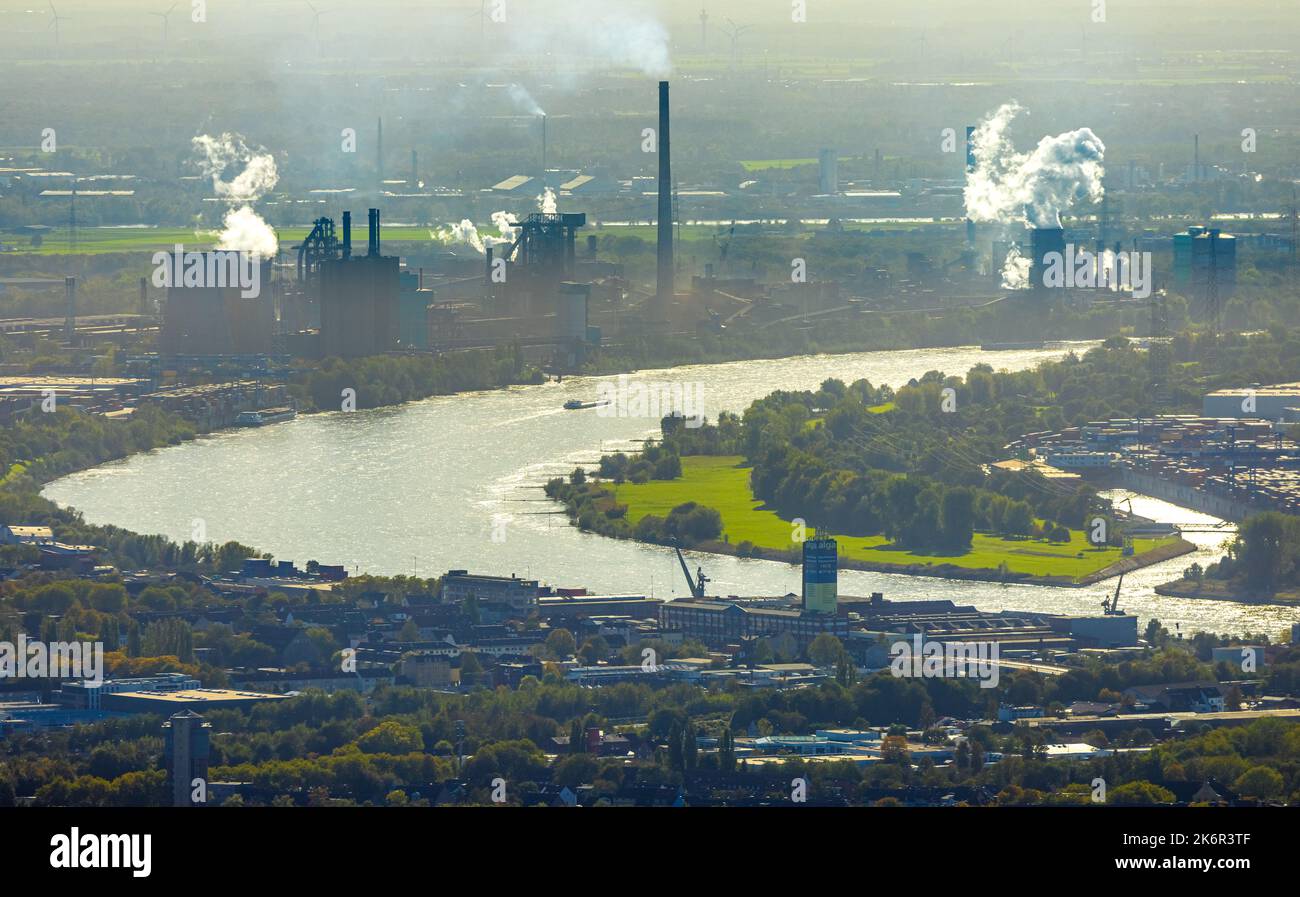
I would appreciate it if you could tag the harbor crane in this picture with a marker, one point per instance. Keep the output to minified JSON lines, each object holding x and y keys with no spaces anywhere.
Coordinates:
{"x":1111,"y":607}
{"x":698,"y":582}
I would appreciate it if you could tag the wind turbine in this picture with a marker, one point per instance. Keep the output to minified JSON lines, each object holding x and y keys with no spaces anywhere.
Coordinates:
{"x":482,"y":16}
{"x":736,"y":32}
{"x":165,"y":16}
{"x":55,"y":19}
{"x":315,"y":22}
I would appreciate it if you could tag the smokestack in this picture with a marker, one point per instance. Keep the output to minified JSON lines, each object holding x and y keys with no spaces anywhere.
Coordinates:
{"x":70,"y":322}
{"x":374,"y":232}
{"x":487,"y":275}
{"x":828,"y":172}
{"x":144,"y":296}
{"x":347,"y":235}
{"x":664,"y":279}
{"x":970,"y":169}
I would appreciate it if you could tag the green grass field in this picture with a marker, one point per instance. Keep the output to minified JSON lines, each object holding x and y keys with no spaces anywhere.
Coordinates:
{"x":775,"y":164}
{"x":102,"y":240}
{"x":721,"y":483}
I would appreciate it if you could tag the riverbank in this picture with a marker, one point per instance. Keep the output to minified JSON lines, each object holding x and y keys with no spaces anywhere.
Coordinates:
{"x":1150,"y":558}
{"x":1214,"y":590}
{"x":749,"y":529}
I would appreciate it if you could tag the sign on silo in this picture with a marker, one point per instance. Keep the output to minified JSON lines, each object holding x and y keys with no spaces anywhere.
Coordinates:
{"x":820,"y":576}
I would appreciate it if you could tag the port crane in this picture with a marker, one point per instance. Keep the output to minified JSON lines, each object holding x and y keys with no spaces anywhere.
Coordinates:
{"x":1111,"y":607}
{"x":697,"y":583}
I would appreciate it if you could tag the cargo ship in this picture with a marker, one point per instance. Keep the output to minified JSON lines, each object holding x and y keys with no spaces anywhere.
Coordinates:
{"x":264,"y":417}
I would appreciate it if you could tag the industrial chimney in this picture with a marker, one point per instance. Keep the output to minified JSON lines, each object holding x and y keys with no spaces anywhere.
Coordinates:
{"x":347,"y":235}
{"x":374,"y":232}
{"x":70,"y":319}
{"x":664,"y":280}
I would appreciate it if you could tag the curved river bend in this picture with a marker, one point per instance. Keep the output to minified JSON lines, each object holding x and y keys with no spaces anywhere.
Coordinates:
{"x":452,"y":482}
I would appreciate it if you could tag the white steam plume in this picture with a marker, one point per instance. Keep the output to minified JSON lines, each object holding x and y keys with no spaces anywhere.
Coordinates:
{"x":467,"y":234}
{"x":1033,"y":188}
{"x":547,"y":204}
{"x":1015,"y":270}
{"x":242,"y":228}
{"x":520,"y":96}
{"x":628,"y":35}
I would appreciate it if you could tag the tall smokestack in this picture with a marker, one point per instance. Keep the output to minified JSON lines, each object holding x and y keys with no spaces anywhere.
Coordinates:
{"x":664,"y":280}
{"x":70,"y":321}
{"x":374,"y":232}
{"x":347,"y":235}
{"x":970,"y":169}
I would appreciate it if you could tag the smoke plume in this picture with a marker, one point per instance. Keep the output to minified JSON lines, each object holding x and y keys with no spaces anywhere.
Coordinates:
{"x":467,"y":234}
{"x":1016,"y":270}
{"x":547,"y":204}
{"x":242,"y":228}
{"x":1031,"y":189}
{"x":627,"y":35}
{"x":522,"y":99}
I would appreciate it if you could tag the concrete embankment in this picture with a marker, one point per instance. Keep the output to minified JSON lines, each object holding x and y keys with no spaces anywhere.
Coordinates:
{"x":1187,"y":496}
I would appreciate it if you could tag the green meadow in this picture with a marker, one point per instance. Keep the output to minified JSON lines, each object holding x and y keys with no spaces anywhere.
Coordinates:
{"x":722,"y":483}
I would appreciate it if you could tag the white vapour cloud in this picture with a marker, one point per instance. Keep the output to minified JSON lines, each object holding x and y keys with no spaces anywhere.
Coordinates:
{"x":520,"y":96}
{"x":627,"y":35}
{"x":547,"y":203}
{"x":466,"y":233}
{"x":1032,"y":188}
{"x":1015,"y":270}
{"x":242,"y":228}
{"x":245,"y":230}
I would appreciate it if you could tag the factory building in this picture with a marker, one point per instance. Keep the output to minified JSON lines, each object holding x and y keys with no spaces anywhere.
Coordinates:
{"x":1274,"y":403}
{"x":89,"y":695}
{"x":572,"y":323}
{"x":717,"y":623}
{"x":1205,"y":258}
{"x":184,"y":699}
{"x":820,"y":576}
{"x":218,"y":320}
{"x":188,"y":741}
{"x":828,"y":172}
{"x":542,"y":258}
{"x":359,"y":298}
{"x":1044,"y":242}
{"x":459,"y":586}
{"x":413,"y":311}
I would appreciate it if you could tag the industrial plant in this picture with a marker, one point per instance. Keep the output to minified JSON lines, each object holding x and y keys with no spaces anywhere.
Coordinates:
{"x":675,"y":403}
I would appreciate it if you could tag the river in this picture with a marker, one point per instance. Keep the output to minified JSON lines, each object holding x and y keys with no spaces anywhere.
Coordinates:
{"x":452,"y":482}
